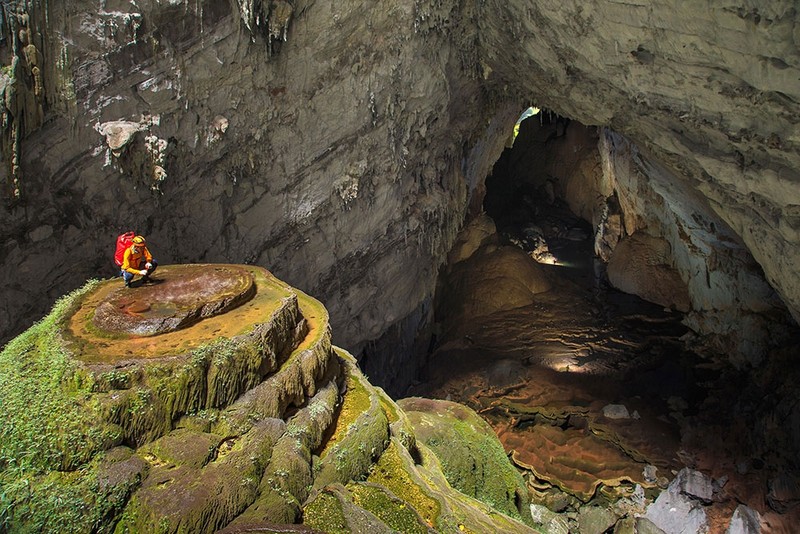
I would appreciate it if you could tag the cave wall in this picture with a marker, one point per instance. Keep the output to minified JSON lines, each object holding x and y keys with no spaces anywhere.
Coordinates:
{"x":337,"y":158}
{"x":682,"y":254}
{"x":731,"y":304}
{"x":340,"y":144}
{"x":711,"y":91}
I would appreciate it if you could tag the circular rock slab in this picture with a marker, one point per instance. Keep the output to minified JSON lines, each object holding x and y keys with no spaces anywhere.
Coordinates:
{"x":174,"y":299}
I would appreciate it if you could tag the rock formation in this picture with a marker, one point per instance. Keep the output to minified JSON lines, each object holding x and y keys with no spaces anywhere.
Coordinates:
{"x":662,"y":241}
{"x":246,"y":420}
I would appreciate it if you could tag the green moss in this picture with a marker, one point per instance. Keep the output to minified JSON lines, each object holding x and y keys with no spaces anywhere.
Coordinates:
{"x":273,"y":505}
{"x":200,"y":421}
{"x":185,"y":498}
{"x":360,"y":434}
{"x":394,"y":512}
{"x":390,"y":473}
{"x":399,"y":423}
{"x":476,"y":464}
{"x":44,"y":422}
{"x":472,"y":458}
{"x":356,"y":401}
{"x":91,"y":328}
{"x":114,"y":379}
{"x":50,"y":430}
{"x":183,"y":447}
{"x":64,"y":502}
{"x":389,"y":408}
{"x":325,"y":513}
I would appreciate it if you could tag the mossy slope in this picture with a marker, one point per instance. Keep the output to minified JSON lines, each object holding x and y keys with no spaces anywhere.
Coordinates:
{"x":271,"y":425}
{"x":472,"y":458}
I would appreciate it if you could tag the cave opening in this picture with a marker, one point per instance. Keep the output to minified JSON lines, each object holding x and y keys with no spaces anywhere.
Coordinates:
{"x":593,"y":391}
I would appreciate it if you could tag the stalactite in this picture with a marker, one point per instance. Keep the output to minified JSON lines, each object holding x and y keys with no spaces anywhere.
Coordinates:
{"x":22,"y":84}
{"x":268,"y":18}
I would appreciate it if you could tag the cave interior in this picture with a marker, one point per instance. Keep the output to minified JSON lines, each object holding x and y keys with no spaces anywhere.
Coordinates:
{"x":531,"y":333}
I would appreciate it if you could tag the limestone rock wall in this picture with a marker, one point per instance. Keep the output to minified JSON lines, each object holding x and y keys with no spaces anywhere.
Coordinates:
{"x":710,"y":90}
{"x":335,"y":153}
{"x":728,"y":298}
{"x":674,"y":249}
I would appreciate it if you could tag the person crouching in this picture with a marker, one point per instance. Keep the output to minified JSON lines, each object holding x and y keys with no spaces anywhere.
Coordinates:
{"x":137,"y":260}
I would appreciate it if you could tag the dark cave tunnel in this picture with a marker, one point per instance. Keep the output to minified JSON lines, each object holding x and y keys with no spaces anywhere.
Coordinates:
{"x":528,"y":206}
{"x":577,"y":359}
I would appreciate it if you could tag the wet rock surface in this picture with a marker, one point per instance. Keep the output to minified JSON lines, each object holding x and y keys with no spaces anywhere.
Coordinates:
{"x":175,"y":298}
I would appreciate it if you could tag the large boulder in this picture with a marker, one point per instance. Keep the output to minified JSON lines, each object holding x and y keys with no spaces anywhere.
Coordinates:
{"x":493,"y":279}
{"x":473,"y":460}
{"x":641,"y":266}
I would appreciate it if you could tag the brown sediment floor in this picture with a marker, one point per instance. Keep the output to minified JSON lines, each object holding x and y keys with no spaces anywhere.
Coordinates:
{"x":105,"y":347}
{"x":543,"y":374}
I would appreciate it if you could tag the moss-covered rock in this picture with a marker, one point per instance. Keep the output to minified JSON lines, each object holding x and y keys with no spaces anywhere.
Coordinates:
{"x":334,"y":511}
{"x":360,"y":434}
{"x":72,"y":392}
{"x":473,"y":460}
{"x":244,"y":421}
{"x":391,"y":510}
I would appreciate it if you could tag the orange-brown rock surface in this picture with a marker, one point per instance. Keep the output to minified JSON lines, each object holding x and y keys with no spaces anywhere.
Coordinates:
{"x":176,"y":299}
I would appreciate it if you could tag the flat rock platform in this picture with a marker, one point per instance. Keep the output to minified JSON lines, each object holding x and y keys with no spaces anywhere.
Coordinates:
{"x":186,"y":307}
{"x":174,"y":299}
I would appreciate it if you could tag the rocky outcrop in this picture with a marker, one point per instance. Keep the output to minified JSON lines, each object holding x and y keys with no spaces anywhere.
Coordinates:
{"x":711,"y":93}
{"x":496,"y":278}
{"x":245,"y":419}
{"x":680,"y":509}
{"x":641,"y":265}
{"x":694,"y":261}
{"x":725,"y":285}
{"x":473,"y":461}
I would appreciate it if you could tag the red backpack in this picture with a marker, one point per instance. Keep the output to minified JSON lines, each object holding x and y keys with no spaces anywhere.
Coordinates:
{"x":124,"y":241}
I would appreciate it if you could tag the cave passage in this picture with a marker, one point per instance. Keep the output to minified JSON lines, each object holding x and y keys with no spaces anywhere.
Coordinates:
{"x":592,"y":391}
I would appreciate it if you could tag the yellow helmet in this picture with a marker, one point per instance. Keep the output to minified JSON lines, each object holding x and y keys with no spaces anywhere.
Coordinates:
{"x":138,"y":240}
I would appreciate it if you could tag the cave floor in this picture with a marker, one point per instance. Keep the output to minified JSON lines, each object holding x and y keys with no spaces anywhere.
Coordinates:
{"x":593,"y":392}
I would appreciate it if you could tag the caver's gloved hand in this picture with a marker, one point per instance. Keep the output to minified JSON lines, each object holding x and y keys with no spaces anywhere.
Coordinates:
{"x":143,"y":272}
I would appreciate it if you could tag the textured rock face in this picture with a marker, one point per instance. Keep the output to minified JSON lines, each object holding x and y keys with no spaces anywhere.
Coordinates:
{"x":640,"y":265}
{"x":711,"y":90}
{"x":244,"y":420}
{"x":338,"y":143}
{"x":337,"y":159}
{"x":693,"y":260}
{"x":494,"y":279}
